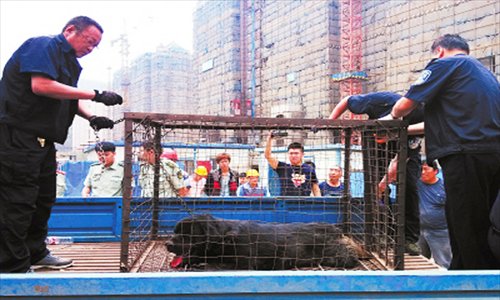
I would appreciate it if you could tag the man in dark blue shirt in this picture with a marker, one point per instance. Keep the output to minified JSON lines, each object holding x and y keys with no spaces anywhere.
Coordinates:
{"x":38,"y":101}
{"x":434,"y":237}
{"x":462,"y":130}
{"x":377,"y":105}
{"x":296,"y":178}
{"x":333,"y":186}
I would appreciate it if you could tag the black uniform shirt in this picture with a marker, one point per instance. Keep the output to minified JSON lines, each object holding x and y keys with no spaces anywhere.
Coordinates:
{"x":375,"y":105}
{"x":462,"y":106}
{"x":20,"y":107}
{"x":379,"y":104}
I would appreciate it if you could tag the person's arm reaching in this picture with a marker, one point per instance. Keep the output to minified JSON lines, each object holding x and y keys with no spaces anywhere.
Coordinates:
{"x":86,"y":191}
{"x":86,"y":185}
{"x":340,"y":108}
{"x":403,"y":107}
{"x":315,"y":190}
{"x":389,"y":177}
{"x":273,"y":162}
{"x":83,"y":111}
{"x":44,"y":86}
{"x":95,"y":122}
{"x":416,"y":129}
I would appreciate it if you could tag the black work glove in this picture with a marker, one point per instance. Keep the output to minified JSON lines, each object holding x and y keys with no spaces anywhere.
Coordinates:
{"x":100,"y":122}
{"x":108,"y":98}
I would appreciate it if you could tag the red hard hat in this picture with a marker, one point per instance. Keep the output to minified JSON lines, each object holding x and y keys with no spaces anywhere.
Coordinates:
{"x":170,"y":154}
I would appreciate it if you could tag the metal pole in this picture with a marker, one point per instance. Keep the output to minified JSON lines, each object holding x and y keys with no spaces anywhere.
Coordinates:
{"x":346,"y":198}
{"x":253,"y":61}
{"x":243,"y":57}
{"x":401,"y":198}
{"x":127,"y":197}
{"x":156,"y":183}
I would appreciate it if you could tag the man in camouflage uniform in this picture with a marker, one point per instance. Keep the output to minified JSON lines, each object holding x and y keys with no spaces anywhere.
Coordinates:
{"x":171,"y":180}
{"x":105,"y":177}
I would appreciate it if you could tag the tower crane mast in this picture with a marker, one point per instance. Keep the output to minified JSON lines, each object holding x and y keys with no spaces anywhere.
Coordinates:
{"x":351,"y":39}
{"x":125,"y":74}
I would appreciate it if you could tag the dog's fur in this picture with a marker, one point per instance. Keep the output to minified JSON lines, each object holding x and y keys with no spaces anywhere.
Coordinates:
{"x":253,"y":245}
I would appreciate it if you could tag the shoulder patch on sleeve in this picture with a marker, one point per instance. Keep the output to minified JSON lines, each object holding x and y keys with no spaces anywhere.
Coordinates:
{"x":171,"y":164}
{"x":423,"y":77}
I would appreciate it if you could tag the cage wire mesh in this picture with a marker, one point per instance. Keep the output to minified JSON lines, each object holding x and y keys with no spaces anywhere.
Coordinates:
{"x":358,"y":228}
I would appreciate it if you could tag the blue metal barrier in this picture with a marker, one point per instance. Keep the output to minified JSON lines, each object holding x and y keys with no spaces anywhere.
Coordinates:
{"x":257,"y":284}
{"x":282,"y":210}
{"x":87,"y":219}
{"x":100,"y":219}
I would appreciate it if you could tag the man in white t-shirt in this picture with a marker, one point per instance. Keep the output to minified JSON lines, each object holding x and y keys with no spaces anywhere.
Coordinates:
{"x":196,"y":182}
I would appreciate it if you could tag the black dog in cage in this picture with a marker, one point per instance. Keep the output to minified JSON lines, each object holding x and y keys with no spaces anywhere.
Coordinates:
{"x":202,"y":240}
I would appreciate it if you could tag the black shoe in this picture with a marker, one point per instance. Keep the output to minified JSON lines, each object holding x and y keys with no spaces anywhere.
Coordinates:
{"x":412,"y":249}
{"x":52,"y":262}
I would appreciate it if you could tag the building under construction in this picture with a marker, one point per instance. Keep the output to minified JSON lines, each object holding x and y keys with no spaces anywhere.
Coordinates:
{"x":298,"y":58}
{"x":159,"y":81}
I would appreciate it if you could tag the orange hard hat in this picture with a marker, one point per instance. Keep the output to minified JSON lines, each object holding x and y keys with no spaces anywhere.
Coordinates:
{"x":170,"y":153}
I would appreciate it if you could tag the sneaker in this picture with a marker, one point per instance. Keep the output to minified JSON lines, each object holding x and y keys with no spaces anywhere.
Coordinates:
{"x":52,"y":262}
{"x":412,"y":249}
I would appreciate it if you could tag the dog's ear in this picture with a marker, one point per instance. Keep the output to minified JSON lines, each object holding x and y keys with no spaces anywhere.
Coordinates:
{"x":204,"y":217}
{"x":202,"y":225}
{"x":181,"y":226}
{"x":198,"y":228}
{"x":230,"y":237}
{"x":213,"y":227}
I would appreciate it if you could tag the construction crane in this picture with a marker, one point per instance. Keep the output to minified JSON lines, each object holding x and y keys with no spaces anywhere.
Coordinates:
{"x":125,"y":76}
{"x":124,"y":45}
{"x":242,"y":105}
{"x":351,"y":38}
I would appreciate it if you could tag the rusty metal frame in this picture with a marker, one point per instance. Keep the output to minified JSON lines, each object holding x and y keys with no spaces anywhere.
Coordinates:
{"x":127,"y":197}
{"x":400,"y":214}
{"x":243,"y":122}
{"x":158,"y":121}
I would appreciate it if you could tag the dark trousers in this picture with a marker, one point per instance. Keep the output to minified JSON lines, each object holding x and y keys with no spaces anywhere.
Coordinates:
{"x":27,"y":194}
{"x":412,"y":211}
{"x":494,"y":232}
{"x":413,"y":172}
{"x":471,"y":182}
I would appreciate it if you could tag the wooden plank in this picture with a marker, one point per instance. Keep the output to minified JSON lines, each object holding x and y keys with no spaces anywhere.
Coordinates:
{"x":105,"y":258}
{"x":88,"y":257}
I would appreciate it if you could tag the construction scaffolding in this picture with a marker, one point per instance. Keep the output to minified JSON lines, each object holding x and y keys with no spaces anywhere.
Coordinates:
{"x":292,"y":49}
{"x":266,"y":58}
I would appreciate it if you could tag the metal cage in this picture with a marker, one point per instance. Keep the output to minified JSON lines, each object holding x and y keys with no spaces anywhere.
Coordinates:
{"x":364,"y":149}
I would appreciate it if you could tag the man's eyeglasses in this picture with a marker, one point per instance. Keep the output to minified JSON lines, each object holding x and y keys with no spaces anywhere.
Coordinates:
{"x":89,"y":40}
